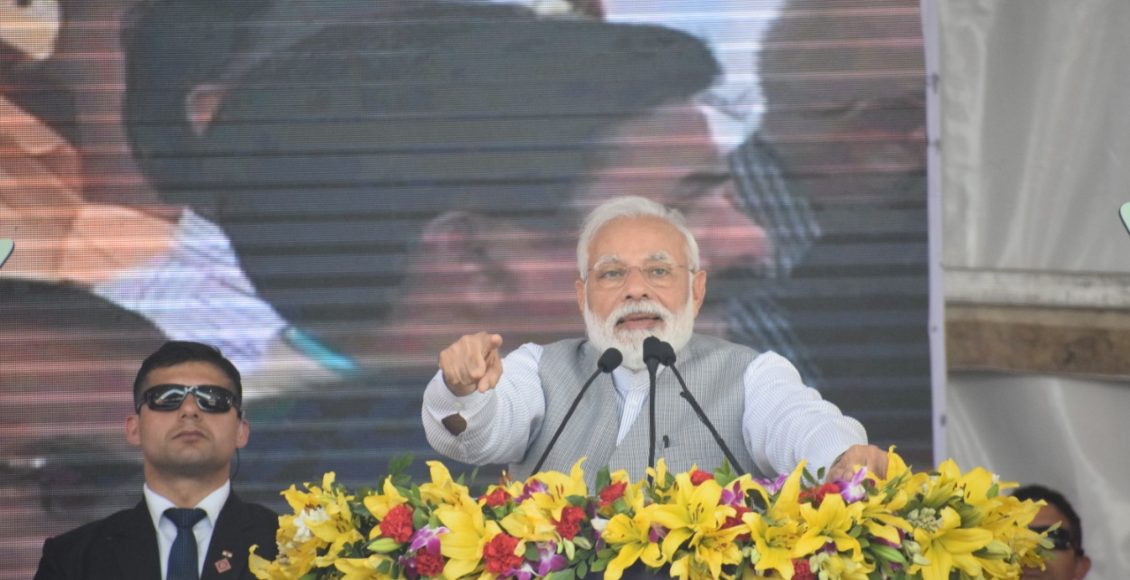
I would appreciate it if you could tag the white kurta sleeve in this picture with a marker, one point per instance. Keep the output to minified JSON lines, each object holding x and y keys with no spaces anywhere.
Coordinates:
{"x":785,"y":421}
{"x":501,"y":423}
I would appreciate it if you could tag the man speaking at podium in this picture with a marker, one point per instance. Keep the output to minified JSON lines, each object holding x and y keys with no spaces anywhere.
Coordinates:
{"x":639,"y":277}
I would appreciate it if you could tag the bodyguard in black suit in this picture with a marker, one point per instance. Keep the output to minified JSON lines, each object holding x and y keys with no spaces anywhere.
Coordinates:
{"x":188,"y":424}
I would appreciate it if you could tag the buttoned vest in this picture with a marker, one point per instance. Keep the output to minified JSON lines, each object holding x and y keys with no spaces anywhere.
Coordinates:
{"x":713,"y":369}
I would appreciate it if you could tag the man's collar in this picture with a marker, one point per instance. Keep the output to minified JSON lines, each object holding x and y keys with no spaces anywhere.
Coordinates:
{"x":212,"y":504}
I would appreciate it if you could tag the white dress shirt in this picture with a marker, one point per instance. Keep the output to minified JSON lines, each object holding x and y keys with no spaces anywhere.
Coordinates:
{"x":783,"y":420}
{"x":167,"y":530}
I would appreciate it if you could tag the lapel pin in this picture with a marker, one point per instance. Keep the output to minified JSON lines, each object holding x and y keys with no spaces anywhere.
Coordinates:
{"x":225,"y":564}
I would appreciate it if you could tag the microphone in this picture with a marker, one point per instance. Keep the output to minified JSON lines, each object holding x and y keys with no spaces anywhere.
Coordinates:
{"x":653,"y":352}
{"x":665,"y":353}
{"x":607,"y":363}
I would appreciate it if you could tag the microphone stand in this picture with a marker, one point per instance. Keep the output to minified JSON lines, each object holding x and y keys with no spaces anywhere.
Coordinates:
{"x":607,"y":363}
{"x":667,"y":357}
{"x":652,"y":352}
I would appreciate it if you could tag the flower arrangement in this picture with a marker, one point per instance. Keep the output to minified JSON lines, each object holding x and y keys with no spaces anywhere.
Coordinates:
{"x":690,"y":525}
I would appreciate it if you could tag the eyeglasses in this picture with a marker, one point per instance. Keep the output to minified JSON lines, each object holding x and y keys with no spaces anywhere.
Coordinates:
{"x":209,"y":398}
{"x":1059,"y":537}
{"x":612,"y":275}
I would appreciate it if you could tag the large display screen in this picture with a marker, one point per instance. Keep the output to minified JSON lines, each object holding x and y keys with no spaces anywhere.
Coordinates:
{"x":333,"y":191}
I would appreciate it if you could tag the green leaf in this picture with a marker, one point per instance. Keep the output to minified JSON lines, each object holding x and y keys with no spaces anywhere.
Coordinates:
{"x":399,"y":464}
{"x":725,"y":475}
{"x":384,"y":545}
{"x":603,"y":479}
{"x":888,"y":553}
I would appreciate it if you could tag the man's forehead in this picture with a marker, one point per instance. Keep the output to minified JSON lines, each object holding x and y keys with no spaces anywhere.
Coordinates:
{"x":638,"y":238}
{"x":1049,"y":514}
{"x":657,"y":256}
{"x":192,"y":372}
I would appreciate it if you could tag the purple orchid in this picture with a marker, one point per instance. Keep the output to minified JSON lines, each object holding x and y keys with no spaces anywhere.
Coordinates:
{"x":427,"y":538}
{"x":532,"y":487}
{"x":733,"y":496}
{"x":853,"y":490}
{"x":549,"y":560}
{"x":773,"y":486}
{"x":656,"y":533}
{"x":523,"y":572}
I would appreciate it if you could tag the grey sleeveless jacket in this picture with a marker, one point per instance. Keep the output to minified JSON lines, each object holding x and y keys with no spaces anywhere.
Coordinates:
{"x":713,"y":369}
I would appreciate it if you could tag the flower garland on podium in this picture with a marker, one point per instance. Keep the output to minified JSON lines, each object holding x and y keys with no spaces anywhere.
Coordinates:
{"x":688,"y":525}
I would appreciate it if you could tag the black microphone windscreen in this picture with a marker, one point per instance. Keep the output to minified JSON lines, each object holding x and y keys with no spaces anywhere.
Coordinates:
{"x":610,"y":360}
{"x":666,"y":353}
{"x":652,"y":349}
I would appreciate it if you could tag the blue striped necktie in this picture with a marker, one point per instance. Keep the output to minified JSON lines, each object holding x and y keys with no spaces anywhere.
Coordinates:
{"x":182,"y":559}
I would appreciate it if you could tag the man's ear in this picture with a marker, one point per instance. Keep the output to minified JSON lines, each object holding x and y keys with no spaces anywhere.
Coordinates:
{"x":133,"y":430}
{"x":582,"y":299}
{"x":1082,"y":566}
{"x":243,"y":435}
{"x":698,"y":289}
{"x":201,"y":104}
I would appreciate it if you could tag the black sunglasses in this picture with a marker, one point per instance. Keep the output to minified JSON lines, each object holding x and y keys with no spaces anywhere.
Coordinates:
{"x":209,"y":398}
{"x":1059,"y":537}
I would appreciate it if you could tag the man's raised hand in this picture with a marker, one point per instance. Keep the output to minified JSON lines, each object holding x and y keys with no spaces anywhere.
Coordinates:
{"x":472,"y":363}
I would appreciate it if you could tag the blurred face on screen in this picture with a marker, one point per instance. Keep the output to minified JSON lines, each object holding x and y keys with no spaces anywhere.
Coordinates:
{"x":668,"y":155}
{"x":845,"y":121}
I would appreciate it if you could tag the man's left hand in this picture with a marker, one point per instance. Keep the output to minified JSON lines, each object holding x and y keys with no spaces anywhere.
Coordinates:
{"x":856,"y":456}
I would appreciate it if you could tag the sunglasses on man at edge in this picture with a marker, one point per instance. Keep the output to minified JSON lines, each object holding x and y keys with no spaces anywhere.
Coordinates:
{"x":1060,"y":538}
{"x":209,"y":398}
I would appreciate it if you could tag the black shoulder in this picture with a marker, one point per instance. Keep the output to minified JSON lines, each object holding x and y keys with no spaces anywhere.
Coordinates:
{"x":97,"y":529}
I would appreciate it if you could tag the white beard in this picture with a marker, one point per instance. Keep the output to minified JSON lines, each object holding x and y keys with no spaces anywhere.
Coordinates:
{"x":676,"y":329}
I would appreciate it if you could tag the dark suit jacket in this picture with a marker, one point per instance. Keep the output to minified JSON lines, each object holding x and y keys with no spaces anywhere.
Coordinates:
{"x":123,"y":546}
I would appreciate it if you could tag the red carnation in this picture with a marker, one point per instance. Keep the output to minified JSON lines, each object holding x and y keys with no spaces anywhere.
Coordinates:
{"x":429,"y":564}
{"x":398,"y":523}
{"x":612,"y":492}
{"x":802,"y":571}
{"x":497,"y":498}
{"x":736,"y":520}
{"x":570,"y":524}
{"x":816,"y":495}
{"x":499,"y":554}
{"x":698,"y":476}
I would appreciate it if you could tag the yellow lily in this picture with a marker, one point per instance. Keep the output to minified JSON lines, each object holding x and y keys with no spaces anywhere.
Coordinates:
{"x":443,"y":490}
{"x":945,"y":544}
{"x":380,"y":504}
{"x":632,"y":536}
{"x":559,"y":487}
{"x":530,"y":522}
{"x":774,"y":543}
{"x":695,"y":516}
{"x":831,"y":522}
{"x":468,"y":532}
{"x":360,"y":568}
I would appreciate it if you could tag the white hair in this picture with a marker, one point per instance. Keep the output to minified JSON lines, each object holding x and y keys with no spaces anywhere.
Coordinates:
{"x":631,"y":206}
